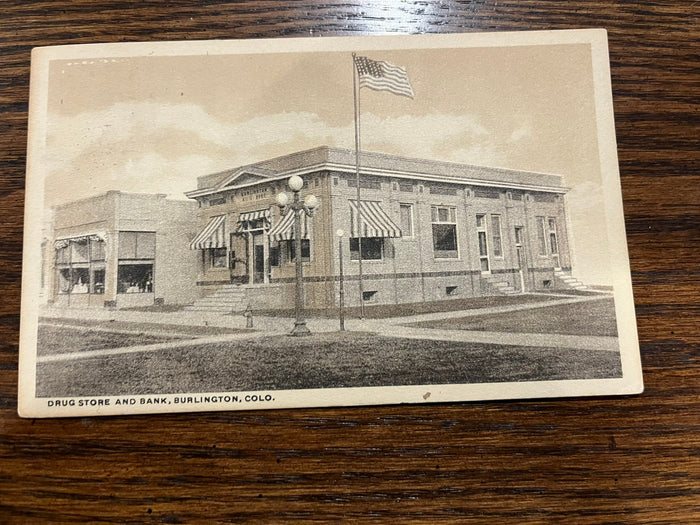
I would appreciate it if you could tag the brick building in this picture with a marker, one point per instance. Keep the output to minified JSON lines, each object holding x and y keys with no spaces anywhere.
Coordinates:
{"x":119,"y":250}
{"x":430,"y":231}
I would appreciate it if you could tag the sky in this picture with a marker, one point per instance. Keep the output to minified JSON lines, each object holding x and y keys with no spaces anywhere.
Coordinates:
{"x":155,"y":123}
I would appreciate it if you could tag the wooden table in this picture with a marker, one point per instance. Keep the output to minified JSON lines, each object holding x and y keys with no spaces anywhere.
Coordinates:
{"x":632,"y":459}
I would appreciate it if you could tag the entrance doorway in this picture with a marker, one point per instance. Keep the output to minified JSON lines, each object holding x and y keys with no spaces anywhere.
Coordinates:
{"x":553,"y":244}
{"x":238,"y":258}
{"x":483,"y":243}
{"x":258,"y":258}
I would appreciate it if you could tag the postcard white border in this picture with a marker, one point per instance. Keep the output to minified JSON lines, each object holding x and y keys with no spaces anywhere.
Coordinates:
{"x":631,"y":382}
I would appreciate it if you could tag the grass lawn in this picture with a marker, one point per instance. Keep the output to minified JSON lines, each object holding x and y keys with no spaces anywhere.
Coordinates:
{"x":382,"y":311}
{"x":318,"y":361}
{"x":587,"y":318}
{"x":85,"y":335}
{"x":59,"y":340}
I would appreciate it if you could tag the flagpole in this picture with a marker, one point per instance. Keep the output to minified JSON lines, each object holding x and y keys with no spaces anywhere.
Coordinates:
{"x":356,"y":98}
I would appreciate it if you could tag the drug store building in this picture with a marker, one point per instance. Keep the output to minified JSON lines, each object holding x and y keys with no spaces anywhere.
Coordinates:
{"x":119,"y":250}
{"x":430,"y":230}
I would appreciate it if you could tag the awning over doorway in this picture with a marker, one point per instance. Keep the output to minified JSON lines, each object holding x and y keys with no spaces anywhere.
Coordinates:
{"x":284,"y":229}
{"x":375,"y":221}
{"x":212,"y":236}
{"x":245,"y":218}
{"x":254,"y":215}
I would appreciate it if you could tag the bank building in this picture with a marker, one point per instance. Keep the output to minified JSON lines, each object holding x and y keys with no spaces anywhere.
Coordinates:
{"x":429,"y":231}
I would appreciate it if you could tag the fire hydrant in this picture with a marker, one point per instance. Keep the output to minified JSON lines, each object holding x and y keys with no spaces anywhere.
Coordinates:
{"x":248,"y":314}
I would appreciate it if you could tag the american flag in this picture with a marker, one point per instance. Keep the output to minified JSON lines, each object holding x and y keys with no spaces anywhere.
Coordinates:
{"x":383,"y":76}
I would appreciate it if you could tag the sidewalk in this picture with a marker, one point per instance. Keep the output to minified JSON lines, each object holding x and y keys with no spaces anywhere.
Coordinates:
{"x":389,"y":327}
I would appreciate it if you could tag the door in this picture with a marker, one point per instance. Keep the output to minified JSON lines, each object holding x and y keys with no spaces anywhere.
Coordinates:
{"x":258,"y":258}
{"x":238,"y":258}
{"x":553,"y":244}
{"x":483,"y":243}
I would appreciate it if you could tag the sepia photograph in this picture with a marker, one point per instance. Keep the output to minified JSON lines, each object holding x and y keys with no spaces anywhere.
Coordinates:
{"x":230,"y":225}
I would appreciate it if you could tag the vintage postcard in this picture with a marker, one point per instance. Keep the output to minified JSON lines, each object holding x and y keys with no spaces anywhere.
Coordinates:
{"x":228,"y":225}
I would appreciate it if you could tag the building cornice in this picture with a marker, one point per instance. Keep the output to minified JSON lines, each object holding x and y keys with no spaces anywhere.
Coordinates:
{"x":383,"y":172}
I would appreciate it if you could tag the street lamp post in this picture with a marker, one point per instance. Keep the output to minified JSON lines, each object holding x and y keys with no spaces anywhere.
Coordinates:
{"x":341,"y":298}
{"x":299,"y":208}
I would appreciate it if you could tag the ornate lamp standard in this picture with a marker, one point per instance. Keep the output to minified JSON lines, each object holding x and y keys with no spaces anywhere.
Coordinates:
{"x":299,"y":208}
{"x":341,"y":298}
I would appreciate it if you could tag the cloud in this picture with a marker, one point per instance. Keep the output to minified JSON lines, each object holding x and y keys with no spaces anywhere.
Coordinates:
{"x":521,"y":132}
{"x":149,"y":147}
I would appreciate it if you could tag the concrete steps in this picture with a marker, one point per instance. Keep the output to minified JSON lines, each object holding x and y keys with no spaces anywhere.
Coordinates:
{"x":498,"y":285}
{"x":569,"y":281}
{"x":229,"y":298}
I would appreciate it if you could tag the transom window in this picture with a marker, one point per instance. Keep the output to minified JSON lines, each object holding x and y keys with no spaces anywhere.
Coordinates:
{"x":137,"y":245}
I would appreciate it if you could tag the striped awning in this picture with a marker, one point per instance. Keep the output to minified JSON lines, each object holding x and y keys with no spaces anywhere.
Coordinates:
{"x":254,"y":215}
{"x":63,"y":243}
{"x":212,"y":236}
{"x":284,"y":229}
{"x":246,"y":217}
{"x":375,"y":221}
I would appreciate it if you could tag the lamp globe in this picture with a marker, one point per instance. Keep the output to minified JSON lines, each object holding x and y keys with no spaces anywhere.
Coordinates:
{"x":295,"y":183}
{"x":282,"y":199}
{"x":311,"y":201}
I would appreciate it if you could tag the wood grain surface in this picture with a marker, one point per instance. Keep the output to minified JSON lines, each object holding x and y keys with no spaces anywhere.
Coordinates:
{"x":634,"y":459}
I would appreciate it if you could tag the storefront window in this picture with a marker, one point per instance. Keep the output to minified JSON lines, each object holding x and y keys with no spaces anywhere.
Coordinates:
{"x":97,"y":282}
{"x":305,"y":250}
{"x":137,"y":252}
{"x":79,"y":251}
{"x":80,"y":280}
{"x":80,"y":265}
{"x":274,"y":255}
{"x":63,"y":255}
{"x":372,"y":248}
{"x":63,"y":281}
{"x":218,"y":257}
{"x":135,"y":278}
